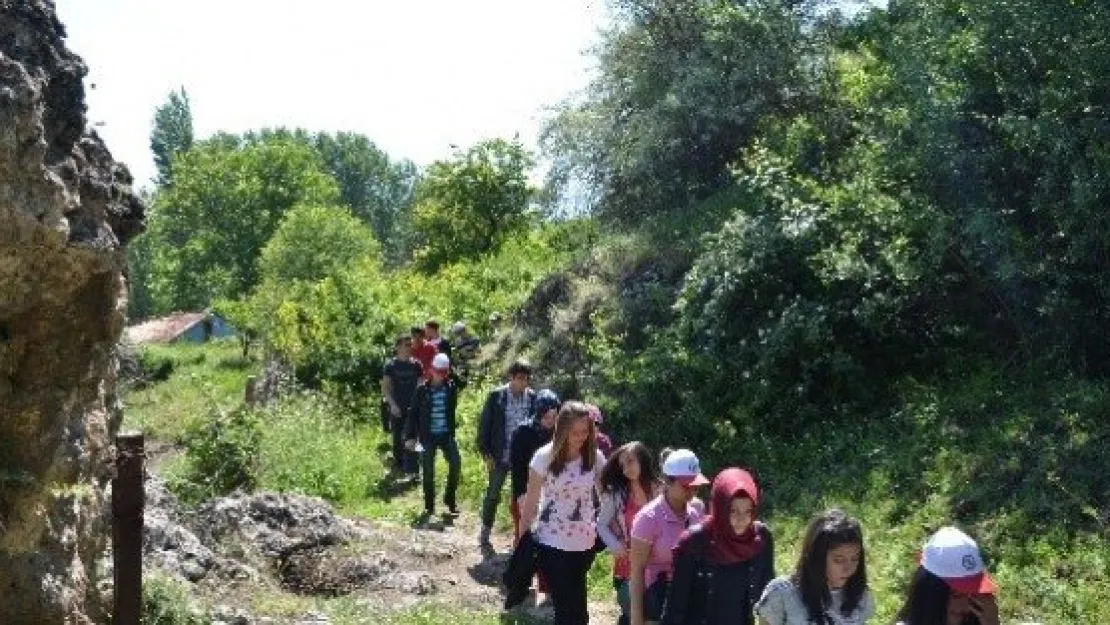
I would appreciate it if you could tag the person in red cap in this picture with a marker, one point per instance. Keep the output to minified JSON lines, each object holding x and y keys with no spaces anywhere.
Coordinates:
{"x":951,"y":585}
{"x":722,"y":565}
{"x":829,"y":584}
{"x":655,"y":532}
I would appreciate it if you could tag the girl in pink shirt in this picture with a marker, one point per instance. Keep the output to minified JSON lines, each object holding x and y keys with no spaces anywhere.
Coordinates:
{"x":655,"y":532}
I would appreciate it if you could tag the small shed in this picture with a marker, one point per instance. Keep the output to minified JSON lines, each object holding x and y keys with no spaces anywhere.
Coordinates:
{"x":192,"y":327}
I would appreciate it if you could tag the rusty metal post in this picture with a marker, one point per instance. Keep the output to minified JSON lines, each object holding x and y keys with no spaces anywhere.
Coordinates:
{"x":250,"y":393}
{"x":128,"y":500}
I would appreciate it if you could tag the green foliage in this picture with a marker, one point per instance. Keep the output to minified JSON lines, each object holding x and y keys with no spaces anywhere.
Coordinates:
{"x":140,"y":258}
{"x":378,"y":190}
{"x":202,"y":378}
{"x":226,"y":202}
{"x":341,"y":328}
{"x":172,"y":134}
{"x":166,"y":602}
{"x":681,"y":87}
{"x":221,"y":453}
{"x":314,"y":242}
{"x":469,"y":205}
{"x":314,"y":445}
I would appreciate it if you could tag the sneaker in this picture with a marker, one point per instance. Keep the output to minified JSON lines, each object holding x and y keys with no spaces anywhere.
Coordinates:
{"x":453,"y":510}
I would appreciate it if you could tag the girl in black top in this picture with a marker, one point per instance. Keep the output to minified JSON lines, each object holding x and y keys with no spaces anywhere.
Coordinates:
{"x":722,"y":565}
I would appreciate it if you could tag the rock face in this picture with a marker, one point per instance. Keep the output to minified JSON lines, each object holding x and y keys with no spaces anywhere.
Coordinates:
{"x":66,"y":211}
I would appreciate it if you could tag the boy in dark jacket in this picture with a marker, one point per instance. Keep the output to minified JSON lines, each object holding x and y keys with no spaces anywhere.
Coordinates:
{"x":431,"y":426}
{"x":507,"y":408}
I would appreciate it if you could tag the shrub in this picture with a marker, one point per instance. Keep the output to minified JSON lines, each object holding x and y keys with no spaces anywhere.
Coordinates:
{"x":221,"y":454}
{"x":166,"y":602}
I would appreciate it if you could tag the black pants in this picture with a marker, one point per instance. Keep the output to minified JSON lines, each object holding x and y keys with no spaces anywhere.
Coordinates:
{"x":566,"y":578}
{"x":445,"y":442}
{"x":403,"y":459}
{"x":492,"y":498}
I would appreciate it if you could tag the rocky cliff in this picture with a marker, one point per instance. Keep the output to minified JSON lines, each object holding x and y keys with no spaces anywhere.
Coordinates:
{"x":66,"y":211}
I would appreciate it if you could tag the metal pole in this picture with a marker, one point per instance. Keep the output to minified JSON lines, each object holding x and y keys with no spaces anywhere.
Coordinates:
{"x":127,"y":528}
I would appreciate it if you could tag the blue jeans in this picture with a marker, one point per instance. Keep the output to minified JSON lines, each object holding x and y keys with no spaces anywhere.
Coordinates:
{"x":450,"y":448}
{"x":624,"y":600}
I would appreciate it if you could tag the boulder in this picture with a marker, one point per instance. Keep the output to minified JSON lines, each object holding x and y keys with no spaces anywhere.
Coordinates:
{"x":66,"y":212}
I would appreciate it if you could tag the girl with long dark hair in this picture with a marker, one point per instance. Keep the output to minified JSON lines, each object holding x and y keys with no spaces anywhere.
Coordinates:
{"x":560,"y":508}
{"x":829,"y":585}
{"x":722,"y":565}
{"x":951,"y":587}
{"x":628,"y":482}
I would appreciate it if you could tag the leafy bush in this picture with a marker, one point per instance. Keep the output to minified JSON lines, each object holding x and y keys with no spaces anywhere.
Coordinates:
{"x":341,"y":328}
{"x":314,"y":242}
{"x":469,"y":205}
{"x":225,"y":204}
{"x":221,"y":453}
{"x":314,"y":445}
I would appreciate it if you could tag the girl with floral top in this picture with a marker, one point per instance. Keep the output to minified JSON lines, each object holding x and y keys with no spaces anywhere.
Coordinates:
{"x":829,"y":585}
{"x":560,"y":508}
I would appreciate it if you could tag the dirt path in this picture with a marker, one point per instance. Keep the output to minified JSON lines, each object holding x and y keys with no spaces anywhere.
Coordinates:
{"x":267,"y":558}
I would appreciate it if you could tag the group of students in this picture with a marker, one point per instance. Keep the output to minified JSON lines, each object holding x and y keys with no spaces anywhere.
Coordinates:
{"x":674,"y":561}
{"x":420,"y":391}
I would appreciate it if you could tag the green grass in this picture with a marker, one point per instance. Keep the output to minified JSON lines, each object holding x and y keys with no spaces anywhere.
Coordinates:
{"x":1005,"y":459}
{"x":1020,"y":465}
{"x":205,"y":376}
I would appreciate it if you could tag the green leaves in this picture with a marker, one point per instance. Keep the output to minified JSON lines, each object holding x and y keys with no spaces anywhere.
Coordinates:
{"x":172,"y":134}
{"x":226,"y":202}
{"x":469,"y":205}
{"x":314,"y":242}
{"x":682,"y":87}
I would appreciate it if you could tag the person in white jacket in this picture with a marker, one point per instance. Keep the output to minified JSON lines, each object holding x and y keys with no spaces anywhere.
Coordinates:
{"x":629,"y":480}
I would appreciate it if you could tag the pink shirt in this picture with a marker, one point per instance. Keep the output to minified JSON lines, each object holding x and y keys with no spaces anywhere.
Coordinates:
{"x":658,"y":524}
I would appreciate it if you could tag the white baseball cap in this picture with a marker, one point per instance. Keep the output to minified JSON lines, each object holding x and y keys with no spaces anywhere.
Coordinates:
{"x":954,"y":557}
{"x":441,"y":362}
{"x":683,"y":466}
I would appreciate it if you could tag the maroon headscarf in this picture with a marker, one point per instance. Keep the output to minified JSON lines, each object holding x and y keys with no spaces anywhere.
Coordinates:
{"x":725,"y":545}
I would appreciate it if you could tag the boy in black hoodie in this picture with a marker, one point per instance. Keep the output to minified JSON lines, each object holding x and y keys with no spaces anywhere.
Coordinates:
{"x":526,"y":440}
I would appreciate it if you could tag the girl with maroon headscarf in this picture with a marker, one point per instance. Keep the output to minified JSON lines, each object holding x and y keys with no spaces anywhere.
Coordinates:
{"x":722,"y":565}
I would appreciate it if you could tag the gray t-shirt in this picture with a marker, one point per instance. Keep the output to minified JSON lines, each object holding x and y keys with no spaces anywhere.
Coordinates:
{"x":781,"y":604}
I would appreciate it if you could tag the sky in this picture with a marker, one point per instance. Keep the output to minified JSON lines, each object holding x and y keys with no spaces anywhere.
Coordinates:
{"x":416,"y":76}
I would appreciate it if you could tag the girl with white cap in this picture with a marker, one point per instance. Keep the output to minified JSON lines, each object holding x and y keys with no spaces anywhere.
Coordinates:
{"x":951,"y":586}
{"x":655,"y":532}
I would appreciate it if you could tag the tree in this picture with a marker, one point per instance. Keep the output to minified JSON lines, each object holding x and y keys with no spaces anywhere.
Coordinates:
{"x":468,"y":205}
{"x":172,"y":134}
{"x":378,"y":190}
{"x":225,"y":204}
{"x":314,"y":242}
{"x":681,"y":88}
